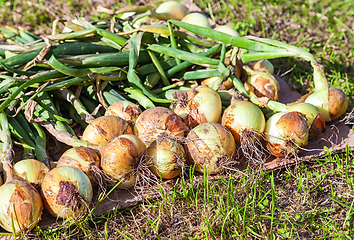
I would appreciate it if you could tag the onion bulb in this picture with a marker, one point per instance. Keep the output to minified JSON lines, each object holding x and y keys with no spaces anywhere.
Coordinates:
{"x":197,"y":18}
{"x":245,"y":121}
{"x":286,"y":133}
{"x":198,"y":105}
{"x":31,"y":171}
{"x":83,"y":158}
{"x":101,"y":130}
{"x":157,"y":122}
{"x":21,"y":205}
{"x":165,"y":157}
{"x":125,"y":110}
{"x":262,"y":65}
{"x":228,"y":30}
{"x":332,"y":102}
{"x":210,"y":146}
{"x":120,"y":159}
{"x":314,"y":119}
{"x":66,"y":192}
{"x":174,"y":10}
{"x":262,"y":84}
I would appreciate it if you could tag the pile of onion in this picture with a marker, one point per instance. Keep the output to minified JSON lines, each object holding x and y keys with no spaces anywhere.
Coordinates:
{"x":165,"y":157}
{"x":158,"y":122}
{"x":286,"y":133}
{"x":103,"y":129}
{"x":121,"y":158}
{"x":66,"y":192}
{"x":198,"y":105}
{"x":211,"y":147}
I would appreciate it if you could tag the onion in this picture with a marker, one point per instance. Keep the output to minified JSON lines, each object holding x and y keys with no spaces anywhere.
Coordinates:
{"x":197,"y":18}
{"x":101,"y":130}
{"x":198,"y":105}
{"x":31,"y":171}
{"x":286,"y":133}
{"x":245,"y":121}
{"x":262,"y":84}
{"x":332,"y":102}
{"x":228,"y":30}
{"x":175,"y":10}
{"x":66,"y":192}
{"x":83,"y":158}
{"x":262,"y":65}
{"x":166,"y":157}
{"x":21,"y":206}
{"x":120,"y":159}
{"x":159,"y":121}
{"x":314,"y":119}
{"x":125,"y":110}
{"x":210,"y":146}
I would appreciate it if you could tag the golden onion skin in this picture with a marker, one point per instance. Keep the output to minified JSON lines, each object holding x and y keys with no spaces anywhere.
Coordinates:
{"x":210,"y":146}
{"x":286,"y":133}
{"x":101,"y":130}
{"x":244,"y":119}
{"x":262,"y":65}
{"x":125,"y":110}
{"x":263,"y":84}
{"x":165,"y":158}
{"x":20,"y":198}
{"x":82,"y":158}
{"x":314,"y":118}
{"x":31,"y":171}
{"x":66,"y":192}
{"x":159,"y":121}
{"x":198,"y":105}
{"x":121,"y":158}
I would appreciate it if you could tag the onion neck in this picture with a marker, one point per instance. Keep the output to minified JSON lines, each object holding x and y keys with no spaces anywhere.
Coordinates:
{"x":7,"y":151}
{"x":319,"y":77}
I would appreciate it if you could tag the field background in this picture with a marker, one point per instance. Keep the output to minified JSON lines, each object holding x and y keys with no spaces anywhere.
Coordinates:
{"x":307,"y":201}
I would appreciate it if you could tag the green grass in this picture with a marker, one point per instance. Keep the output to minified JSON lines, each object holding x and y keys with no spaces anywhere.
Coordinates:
{"x":306,"y":201}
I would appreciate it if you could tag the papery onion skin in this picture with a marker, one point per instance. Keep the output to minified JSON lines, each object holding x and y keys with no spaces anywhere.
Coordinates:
{"x":198,"y":105}
{"x":120,"y":159}
{"x":31,"y":171}
{"x":66,"y":192}
{"x":125,"y":110}
{"x":314,"y":118}
{"x":174,"y":9}
{"x":263,"y":84}
{"x":20,"y":198}
{"x":165,"y":158}
{"x":244,"y":120}
{"x":101,"y":130}
{"x":83,"y":158}
{"x":262,"y":65}
{"x":332,"y":102}
{"x":159,"y":121}
{"x":286,"y":133}
{"x":210,"y":146}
